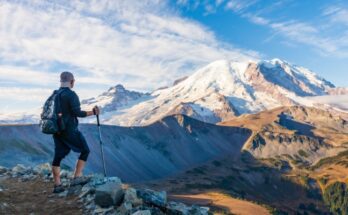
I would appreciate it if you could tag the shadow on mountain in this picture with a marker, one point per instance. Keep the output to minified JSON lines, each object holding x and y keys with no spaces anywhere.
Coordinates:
{"x":278,"y":76}
{"x":134,"y":154}
{"x":245,"y":177}
{"x":300,"y":128}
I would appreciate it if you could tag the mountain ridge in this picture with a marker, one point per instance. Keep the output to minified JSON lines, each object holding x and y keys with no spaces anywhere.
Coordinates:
{"x":217,"y":92}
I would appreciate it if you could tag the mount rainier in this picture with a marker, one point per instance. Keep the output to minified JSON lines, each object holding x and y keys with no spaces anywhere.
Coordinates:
{"x":217,"y":92}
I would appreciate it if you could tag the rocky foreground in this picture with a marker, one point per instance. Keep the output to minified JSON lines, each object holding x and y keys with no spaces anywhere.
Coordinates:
{"x":30,"y":188}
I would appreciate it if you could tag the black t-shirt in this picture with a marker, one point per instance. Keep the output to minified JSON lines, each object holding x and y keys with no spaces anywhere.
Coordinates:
{"x":70,"y":108}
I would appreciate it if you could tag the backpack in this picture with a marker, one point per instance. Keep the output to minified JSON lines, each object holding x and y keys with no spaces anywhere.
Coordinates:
{"x":51,"y":117}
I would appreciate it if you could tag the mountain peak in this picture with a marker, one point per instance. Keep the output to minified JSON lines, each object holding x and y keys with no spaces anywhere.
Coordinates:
{"x":117,"y":88}
{"x":275,"y":62}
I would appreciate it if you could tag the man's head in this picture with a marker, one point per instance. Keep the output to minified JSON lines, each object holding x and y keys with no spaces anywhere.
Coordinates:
{"x":67,"y":79}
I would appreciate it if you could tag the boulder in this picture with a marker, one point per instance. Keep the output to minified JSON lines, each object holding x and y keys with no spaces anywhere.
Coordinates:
{"x":177,"y":208}
{"x":125,"y":208}
{"x":19,"y":169}
{"x":99,"y":179}
{"x":103,"y":211}
{"x":3,"y":170}
{"x":142,"y":212}
{"x":154,"y":198}
{"x":196,"y":210}
{"x":63,"y":194}
{"x":74,"y":190}
{"x":109,"y":194}
{"x":132,"y":197}
{"x":43,"y":169}
{"x":65,"y":173}
{"x":86,"y":190}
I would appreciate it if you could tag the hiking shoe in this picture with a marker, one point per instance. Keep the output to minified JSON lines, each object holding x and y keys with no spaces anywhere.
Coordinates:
{"x":82,"y":180}
{"x":58,"y":188}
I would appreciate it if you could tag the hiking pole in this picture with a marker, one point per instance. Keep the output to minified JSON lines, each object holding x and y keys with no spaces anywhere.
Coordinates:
{"x":101,"y":145}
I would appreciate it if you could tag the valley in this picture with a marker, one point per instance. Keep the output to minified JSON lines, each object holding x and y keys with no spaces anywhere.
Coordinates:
{"x":269,"y":136}
{"x":279,"y":160}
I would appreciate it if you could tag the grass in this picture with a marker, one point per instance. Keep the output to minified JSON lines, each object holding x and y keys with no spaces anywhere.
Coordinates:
{"x":330,"y":160}
{"x":336,"y":197}
{"x":323,"y":180}
{"x":303,"y":153}
{"x":304,"y":180}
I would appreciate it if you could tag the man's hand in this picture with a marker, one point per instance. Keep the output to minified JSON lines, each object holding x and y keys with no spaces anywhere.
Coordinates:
{"x":96,"y":110}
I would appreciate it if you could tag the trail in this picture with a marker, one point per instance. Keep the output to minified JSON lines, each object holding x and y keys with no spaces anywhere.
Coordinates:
{"x":34,"y":197}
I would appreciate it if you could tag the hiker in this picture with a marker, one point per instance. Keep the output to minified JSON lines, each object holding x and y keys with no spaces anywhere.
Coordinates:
{"x":70,"y":138}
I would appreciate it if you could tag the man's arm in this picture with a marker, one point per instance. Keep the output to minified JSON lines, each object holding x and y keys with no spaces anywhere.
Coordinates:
{"x":76,"y":107}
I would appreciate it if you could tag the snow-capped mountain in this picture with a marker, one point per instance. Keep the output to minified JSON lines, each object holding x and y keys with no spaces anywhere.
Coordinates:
{"x":115,"y":98}
{"x":30,"y":117}
{"x":222,"y":90}
{"x":217,"y":92}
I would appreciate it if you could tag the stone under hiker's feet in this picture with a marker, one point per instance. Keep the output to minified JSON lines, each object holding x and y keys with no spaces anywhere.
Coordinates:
{"x":58,"y":188}
{"x":82,"y":180}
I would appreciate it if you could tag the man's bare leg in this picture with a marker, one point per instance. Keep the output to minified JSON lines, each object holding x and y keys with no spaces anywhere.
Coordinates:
{"x":79,"y":168}
{"x":56,"y":175}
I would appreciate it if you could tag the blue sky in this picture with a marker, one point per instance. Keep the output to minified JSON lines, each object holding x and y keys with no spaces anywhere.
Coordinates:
{"x":148,"y":44}
{"x":250,"y":24}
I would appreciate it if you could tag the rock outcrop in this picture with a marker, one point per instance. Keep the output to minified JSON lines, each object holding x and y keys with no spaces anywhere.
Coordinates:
{"x":106,"y":195}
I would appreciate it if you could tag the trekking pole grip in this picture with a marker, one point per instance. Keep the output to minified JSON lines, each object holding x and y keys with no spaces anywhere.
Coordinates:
{"x":98,"y":119}
{"x":97,"y":115}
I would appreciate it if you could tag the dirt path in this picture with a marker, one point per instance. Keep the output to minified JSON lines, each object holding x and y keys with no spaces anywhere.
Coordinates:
{"x":234,"y":206}
{"x":34,"y":197}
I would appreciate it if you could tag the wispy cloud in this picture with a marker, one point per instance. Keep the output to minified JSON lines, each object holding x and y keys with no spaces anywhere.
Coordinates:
{"x":239,"y":5}
{"x":307,"y":33}
{"x":337,"y":14}
{"x":138,"y":43}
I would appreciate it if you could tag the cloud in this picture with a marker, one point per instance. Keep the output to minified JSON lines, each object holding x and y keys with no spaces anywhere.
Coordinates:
{"x":143,"y":44}
{"x":305,"y":33}
{"x":256,"y":19}
{"x":337,"y":14}
{"x":239,"y":5}
{"x":140,"y":44}
{"x":21,"y":94}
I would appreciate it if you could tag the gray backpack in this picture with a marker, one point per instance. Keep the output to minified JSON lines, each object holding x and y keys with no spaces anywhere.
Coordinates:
{"x":51,"y":117}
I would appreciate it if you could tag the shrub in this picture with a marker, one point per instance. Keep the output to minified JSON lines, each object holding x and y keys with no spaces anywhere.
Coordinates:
{"x":336,"y":197}
{"x":302,"y":153}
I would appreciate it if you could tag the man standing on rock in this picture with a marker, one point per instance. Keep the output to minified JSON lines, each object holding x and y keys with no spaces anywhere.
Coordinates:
{"x":71,"y":138}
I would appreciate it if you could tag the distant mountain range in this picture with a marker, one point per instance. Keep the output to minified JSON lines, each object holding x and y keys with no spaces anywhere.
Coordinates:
{"x":217,"y":92}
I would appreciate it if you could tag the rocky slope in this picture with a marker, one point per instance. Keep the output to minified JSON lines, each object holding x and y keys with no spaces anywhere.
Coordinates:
{"x":98,"y":195}
{"x":298,"y":134}
{"x":166,"y":147}
{"x":217,"y":92}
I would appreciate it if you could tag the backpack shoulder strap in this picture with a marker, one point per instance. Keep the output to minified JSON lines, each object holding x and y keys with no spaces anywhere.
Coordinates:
{"x":59,"y":92}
